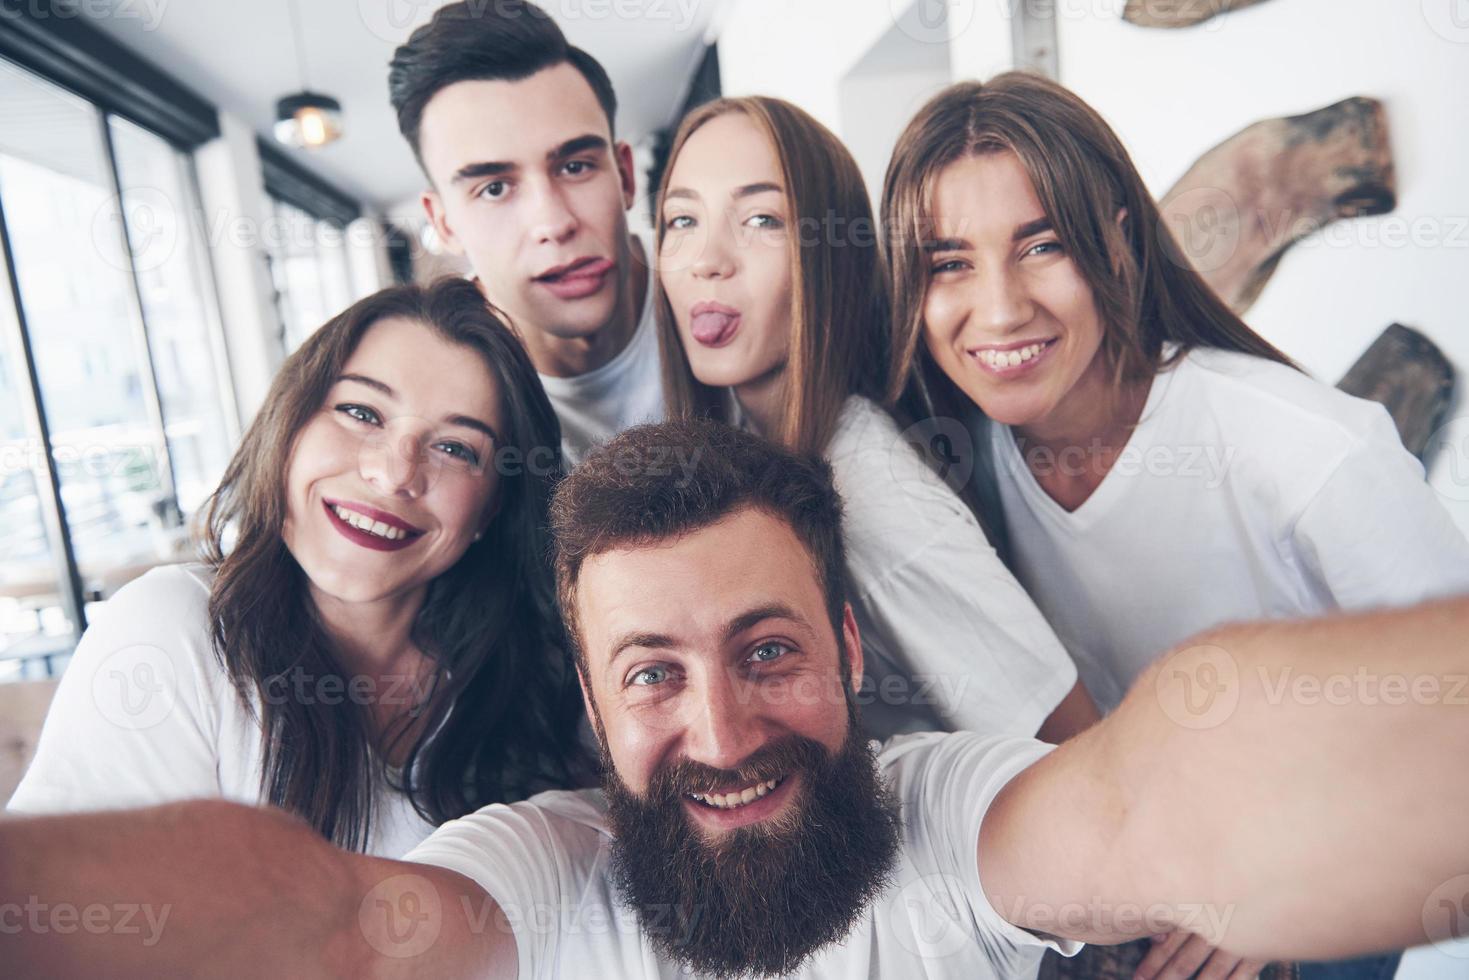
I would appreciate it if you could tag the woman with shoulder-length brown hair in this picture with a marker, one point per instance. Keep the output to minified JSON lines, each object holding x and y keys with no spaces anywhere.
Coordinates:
{"x":371,"y":642}
{"x":771,"y":311}
{"x":1160,"y":468}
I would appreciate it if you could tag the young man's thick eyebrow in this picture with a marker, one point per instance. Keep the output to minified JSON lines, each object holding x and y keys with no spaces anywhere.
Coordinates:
{"x":473,"y":171}
{"x":578,"y":144}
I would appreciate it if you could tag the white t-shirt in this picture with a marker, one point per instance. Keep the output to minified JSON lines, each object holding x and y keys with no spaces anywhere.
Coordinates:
{"x":950,"y":639}
{"x":626,"y":391}
{"x":145,"y":714}
{"x":1247,"y":491}
{"x":545,"y":862}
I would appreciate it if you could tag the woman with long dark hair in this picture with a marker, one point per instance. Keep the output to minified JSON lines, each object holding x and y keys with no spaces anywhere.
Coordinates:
{"x":772,"y":309}
{"x":371,"y":641}
{"x":1160,"y":467}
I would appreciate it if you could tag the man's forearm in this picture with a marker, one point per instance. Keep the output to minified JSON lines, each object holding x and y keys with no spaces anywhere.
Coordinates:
{"x":201,"y":889}
{"x":1307,"y":781}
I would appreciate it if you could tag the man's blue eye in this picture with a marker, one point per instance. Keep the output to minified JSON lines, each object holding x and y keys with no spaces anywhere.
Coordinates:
{"x":767,"y":652}
{"x":649,"y":676}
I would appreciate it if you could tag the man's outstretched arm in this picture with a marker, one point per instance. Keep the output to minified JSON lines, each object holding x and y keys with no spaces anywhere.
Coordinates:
{"x":214,"y":889}
{"x":1285,"y":790}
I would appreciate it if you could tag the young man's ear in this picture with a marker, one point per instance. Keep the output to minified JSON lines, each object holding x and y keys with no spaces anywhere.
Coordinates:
{"x":627,"y":176}
{"x":433,"y":206}
{"x":852,"y":646}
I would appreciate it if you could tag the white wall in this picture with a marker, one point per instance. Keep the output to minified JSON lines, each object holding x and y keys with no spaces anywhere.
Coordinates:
{"x":1172,"y":95}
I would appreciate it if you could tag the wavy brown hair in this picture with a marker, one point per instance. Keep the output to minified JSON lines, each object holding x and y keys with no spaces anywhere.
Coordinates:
{"x":501,"y":705}
{"x":1145,"y":290}
{"x":839,"y":334}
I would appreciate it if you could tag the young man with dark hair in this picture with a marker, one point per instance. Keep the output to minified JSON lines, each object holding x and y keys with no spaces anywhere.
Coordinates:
{"x":745,"y":826}
{"x":514,"y":129}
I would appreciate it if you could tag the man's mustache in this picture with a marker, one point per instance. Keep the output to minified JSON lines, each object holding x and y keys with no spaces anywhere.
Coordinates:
{"x":779,"y":758}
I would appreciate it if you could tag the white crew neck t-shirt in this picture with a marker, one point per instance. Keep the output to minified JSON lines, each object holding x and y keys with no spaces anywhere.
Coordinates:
{"x":950,"y":639}
{"x":545,"y":862}
{"x":1247,"y":491}
{"x":145,"y":714}
{"x":624,"y":392}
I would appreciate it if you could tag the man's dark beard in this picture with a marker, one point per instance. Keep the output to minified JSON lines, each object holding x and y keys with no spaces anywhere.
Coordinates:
{"x":762,"y":898}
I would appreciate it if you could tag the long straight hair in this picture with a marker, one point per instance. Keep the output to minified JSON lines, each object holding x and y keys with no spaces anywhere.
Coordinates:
{"x":501,"y":713}
{"x":839,"y":344}
{"x":1146,"y":292}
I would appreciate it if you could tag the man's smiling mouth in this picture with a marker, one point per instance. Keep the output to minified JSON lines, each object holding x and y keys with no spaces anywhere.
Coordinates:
{"x":739,"y":798}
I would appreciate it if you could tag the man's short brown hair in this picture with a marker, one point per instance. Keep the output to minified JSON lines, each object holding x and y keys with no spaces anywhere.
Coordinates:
{"x":655,"y":482}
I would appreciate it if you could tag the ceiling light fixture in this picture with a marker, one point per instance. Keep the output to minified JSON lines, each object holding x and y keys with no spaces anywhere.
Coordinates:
{"x":306,"y":119}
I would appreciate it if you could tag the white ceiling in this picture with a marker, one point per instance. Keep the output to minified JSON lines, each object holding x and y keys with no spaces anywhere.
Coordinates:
{"x":240,"y":57}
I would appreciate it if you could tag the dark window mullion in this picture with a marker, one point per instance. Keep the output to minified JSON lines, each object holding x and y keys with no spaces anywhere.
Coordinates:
{"x":152,"y":401}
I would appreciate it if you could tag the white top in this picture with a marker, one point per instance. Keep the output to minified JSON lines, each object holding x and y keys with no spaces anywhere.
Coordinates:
{"x":545,"y":862}
{"x":1247,"y":491}
{"x":624,"y":392}
{"x":950,"y":639}
{"x":145,"y":714}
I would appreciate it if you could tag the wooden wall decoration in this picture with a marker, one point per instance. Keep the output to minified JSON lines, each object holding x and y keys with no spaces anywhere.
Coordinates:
{"x":1405,"y":371}
{"x":1179,"y":13}
{"x":1246,"y":201}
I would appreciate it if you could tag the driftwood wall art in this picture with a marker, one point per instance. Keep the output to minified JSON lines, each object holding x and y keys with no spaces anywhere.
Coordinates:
{"x":1250,"y":198}
{"x":1179,"y":13}
{"x":1405,"y":371}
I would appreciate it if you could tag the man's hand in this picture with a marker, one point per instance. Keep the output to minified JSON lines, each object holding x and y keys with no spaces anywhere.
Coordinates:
{"x":1179,"y":955}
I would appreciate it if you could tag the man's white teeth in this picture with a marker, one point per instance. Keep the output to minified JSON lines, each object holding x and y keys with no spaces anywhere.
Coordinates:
{"x":363,"y":523}
{"x":1010,"y":358}
{"x":728,"y":801}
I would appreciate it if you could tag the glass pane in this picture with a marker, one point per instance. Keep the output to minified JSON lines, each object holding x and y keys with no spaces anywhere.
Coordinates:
{"x":68,"y":247}
{"x":33,"y":620}
{"x":309,"y":266}
{"x":158,"y":200}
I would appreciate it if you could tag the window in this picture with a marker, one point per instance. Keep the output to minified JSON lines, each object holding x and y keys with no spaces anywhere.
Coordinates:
{"x":113,"y":312}
{"x":308,"y":265}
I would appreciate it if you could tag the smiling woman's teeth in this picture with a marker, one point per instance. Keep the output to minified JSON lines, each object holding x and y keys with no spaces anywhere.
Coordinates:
{"x":363,"y":523}
{"x":730,"y":801}
{"x":1010,"y":358}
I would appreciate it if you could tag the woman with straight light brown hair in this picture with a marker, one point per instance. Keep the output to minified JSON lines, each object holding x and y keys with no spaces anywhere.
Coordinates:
{"x":1159,"y":467}
{"x":772,"y":316}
